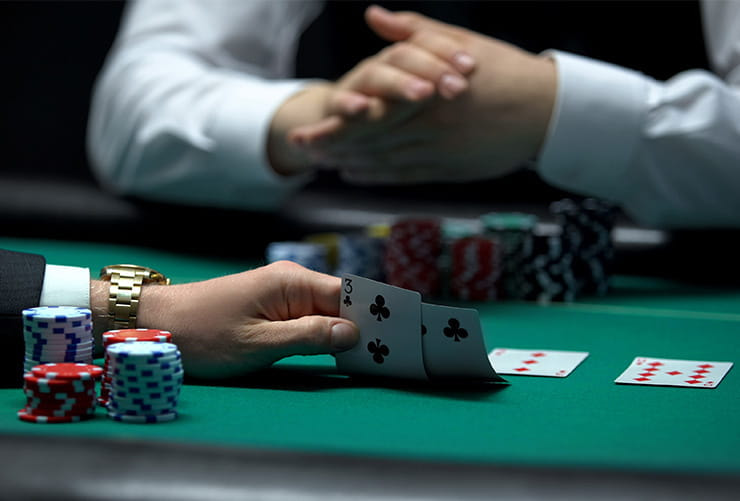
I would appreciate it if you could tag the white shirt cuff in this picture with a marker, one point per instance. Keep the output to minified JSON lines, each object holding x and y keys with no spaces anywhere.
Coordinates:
{"x":240,"y":126}
{"x":66,"y":286}
{"x":595,"y":126}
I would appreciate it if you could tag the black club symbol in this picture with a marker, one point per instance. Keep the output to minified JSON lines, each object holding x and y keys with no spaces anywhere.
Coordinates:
{"x":454,"y":330}
{"x":347,"y":301}
{"x":379,"y":310}
{"x":379,"y":351}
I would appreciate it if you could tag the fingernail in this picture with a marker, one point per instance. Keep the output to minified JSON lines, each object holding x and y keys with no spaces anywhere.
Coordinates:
{"x":356,"y":104}
{"x":453,"y":84}
{"x":463,"y":61}
{"x":343,"y":336}
{"x":417,"y":89}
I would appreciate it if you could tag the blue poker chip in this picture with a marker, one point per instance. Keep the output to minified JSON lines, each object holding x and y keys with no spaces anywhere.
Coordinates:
{"x":314,"y":256}
{"x":57,"y":314}
{"x":144,"y":419}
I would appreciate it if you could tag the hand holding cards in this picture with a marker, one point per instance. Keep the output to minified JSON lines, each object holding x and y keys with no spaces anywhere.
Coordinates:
{"x":400,"y":337}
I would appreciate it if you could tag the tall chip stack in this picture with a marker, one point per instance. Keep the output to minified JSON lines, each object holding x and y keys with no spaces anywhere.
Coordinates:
{"x":363,"y":255}
{"x":514,"y":231}
{"x":412,"y":252}
{"x":57,"y":334}
{"x":546,"y":274}
{"x":475,"y":268}
{"x":587,"y":227}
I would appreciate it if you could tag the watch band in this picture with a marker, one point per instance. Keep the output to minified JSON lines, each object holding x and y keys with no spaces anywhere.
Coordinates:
{"x":124,"y":293}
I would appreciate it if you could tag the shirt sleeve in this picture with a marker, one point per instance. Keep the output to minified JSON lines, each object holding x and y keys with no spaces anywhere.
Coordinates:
{"x":65,"y":286}
{"x":181,"y":109}
{"x":666,"y":151}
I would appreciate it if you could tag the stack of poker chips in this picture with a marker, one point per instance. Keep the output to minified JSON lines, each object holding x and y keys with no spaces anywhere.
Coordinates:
{"x":361,"y":254}
{"x":59,"y":393}
{"x":546,"y":273}
{"x":514,"y":231}
{"x":586,"y":232}
{"x":312,"y":255}
{"x":57,"y":334}
{"x":412,"y":253}
{"x":145,"y":383}
{"x":475,"y":268}
{"x":125,"y":336}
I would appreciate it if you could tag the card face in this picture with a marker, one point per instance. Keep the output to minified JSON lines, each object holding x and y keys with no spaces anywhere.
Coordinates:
{"x":453,"y":344}
{"x":389,"y":318}
{"x":535,"y":362}
{"x":667,"y":372}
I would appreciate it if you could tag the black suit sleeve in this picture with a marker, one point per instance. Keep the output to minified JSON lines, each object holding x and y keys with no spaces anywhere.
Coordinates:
{"x":21,"y":279}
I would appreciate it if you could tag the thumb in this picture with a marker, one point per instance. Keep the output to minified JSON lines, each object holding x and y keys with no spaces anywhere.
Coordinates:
{"x":311,"y":335}
{"x":388,"y":25}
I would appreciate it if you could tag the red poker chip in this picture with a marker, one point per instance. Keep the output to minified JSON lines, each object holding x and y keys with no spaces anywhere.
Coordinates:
{"x":67,"y":371}
{"x":124,"y":335}
{"x":32,"y":418}
{"x":30,"y":380}
{"x":80,"y":411}
{"x":76,"y":407}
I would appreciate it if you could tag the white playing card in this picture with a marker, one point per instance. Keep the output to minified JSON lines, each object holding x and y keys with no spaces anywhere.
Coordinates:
{"x":535,"y":362}
{"x":453,"y":344}
{"x":667,"y":372}
{"x":389,"y":318}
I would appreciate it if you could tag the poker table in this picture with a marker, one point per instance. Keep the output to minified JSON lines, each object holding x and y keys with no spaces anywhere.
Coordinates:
{"x":300,"y":430}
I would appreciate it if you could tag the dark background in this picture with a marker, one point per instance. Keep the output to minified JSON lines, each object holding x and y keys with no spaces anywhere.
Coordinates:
{"x":52,"y":52}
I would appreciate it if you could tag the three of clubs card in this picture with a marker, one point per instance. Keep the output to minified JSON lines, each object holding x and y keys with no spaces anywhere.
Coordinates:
{"x":402,"y":337}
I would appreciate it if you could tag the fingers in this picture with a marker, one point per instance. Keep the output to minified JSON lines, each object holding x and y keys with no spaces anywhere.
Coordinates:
{"x":424,"y":63}
{"x":376,"y":78}
{"x":311,"y":335}
{"x":441,"y":39}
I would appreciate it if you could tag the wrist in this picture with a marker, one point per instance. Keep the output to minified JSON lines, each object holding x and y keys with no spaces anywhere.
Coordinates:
{"x":305,"y":107}
{"x":544,"y":102}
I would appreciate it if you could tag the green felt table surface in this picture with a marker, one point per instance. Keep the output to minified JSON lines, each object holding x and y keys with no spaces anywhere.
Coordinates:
{"x":584,"y":420}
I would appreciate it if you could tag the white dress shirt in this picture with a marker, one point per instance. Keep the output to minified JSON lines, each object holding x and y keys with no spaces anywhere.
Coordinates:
{"x":182,"y":108}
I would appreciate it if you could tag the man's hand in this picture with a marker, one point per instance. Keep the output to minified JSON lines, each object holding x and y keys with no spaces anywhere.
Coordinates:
{"x":244,"y":322}
{"x":488,"y":131}
{"x":400,"y":73}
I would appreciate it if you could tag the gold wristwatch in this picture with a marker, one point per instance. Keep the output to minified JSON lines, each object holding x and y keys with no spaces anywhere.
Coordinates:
{"x":125,"y":290}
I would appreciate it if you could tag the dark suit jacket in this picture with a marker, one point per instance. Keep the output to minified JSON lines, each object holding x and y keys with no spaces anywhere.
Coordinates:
{"x":21,"y":279}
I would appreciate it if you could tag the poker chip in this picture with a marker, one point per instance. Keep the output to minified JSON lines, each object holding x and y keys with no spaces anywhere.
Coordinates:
{"x":361,"y":254}
{"x":57,"y":334}
{"x":67,"y":371}
{"x":412,"y":251}
{"x":330,"y":241}
{"x":145,"y":379}
{"x":127,"y":336}
{"x":313,"y":256}
{"x":475,"y":268}
{"x":59,"y":392}
{"x":586,"y":232}
{"x":514,"y":232}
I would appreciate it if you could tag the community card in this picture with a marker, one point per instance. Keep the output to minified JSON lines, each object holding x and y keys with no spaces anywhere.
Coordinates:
{"x":535,"y":362}
{"x":667,"y":372}
{"x":389,"y":318}
{"x":453,"y":344}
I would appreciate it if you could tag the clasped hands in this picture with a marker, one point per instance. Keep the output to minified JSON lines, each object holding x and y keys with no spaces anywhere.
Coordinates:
{"x":440,"y":104}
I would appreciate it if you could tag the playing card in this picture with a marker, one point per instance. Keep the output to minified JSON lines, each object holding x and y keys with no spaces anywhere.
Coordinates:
{"x":453,"y":344}
{"x":535,"y":362}
{"x":667,"y":372}
{"x":389,"y":318}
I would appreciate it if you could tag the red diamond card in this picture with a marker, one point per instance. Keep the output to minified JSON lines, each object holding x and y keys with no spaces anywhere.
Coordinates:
{"x":666,"y":372}
{"x":535,"y":362}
